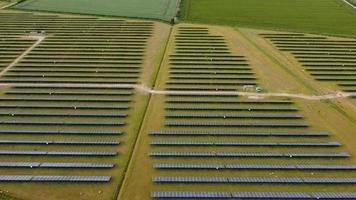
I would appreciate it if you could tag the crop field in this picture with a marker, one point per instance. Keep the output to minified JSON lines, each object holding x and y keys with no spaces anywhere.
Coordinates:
{"x":317,"y":16}
{"x":153,"y":9}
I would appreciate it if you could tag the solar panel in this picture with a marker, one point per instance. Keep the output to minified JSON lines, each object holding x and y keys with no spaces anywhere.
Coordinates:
{"x":72,"y":178}
{"x":67,"y":93}
{"x":55,"y":178}
{"x":234,"y":133}
{"x":204,"y":95}
{"x":64,"y":99}
{"x":56,"y":165}
{"x":236,"y":143}
{"x":92,"y":142}
{"x":272,"y":195}
{"x":30,"y":122}
{"x":63,"y":107}
{"x":19,"y":164}
{"x":334,"y":195}
{"x":190,"y":194}
{"x":76,"y":165}
{"x":229,"y":101}
{"x":67,"y":81}
{"x":227,"y":116}
{"x":58,"y":153}
{"x":232,"y":108}
{"x":253,"y":166}
{"x":214,"y":179}
{"x":235,"y":124}
{"x":248,"y":154}
{"x":52,"y":114}
{"x":73,"y":132}
{"x":254,"y":195}
{"x":81,"y":153}
{"x":15,"y":178}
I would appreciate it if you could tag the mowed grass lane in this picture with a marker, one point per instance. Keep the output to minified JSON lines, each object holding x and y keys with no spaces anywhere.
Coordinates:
{"x":152,"y":9}
{"x":317,"y":16}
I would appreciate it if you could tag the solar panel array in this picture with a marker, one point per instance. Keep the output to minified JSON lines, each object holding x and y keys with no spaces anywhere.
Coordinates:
{"x":255,"y":195}
{"x":211,"y":142}
{"x":326,"y":59}
{"x":55,"y":178}
{"x":60,"y":116}
{"x":203,"y":61}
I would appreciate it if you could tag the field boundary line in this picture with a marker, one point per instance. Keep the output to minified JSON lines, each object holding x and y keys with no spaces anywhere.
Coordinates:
{"x":350,"y":4}
{"x":39,"y":40}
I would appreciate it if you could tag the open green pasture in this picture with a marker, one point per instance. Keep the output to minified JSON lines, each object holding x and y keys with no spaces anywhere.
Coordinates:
{"x":317,"y":16}
{"x":152,"y":9}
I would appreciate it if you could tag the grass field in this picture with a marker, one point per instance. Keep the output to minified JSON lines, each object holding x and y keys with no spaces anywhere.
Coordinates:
{"x":318,"y":16}
{"x":152,"y":9}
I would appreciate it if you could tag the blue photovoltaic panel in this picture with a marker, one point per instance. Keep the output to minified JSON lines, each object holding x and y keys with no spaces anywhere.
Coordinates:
{"x":30,"y":122}
{"x":55,"y":178}
{"x":67,"y":93}
{"x":233,"y":133}
{"x":74,"y":142}
{"x":56,"y":165}
{"x":72,"y":132}
{"x":231,"y":143}
{"x":52,"y":114}
{"x":252,"y":166}
{"x":229,"y":116}
{"x":207,"y":179}
{"x":248,"y":154}
{"x":232,"y":108}
{"x":63,"y":107}
{"x":235,"y":124}
{"x":229,"y":101}
{"x":255,"y":195}
{"x":64,"y":99}
{"x":58,"y":153}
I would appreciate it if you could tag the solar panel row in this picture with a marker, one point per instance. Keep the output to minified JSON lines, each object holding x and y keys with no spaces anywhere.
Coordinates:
{"x":226,"y":143}
{"x":58,"y":153}
{"x":30,"y":122}
{"x":254,"y":166}
{"x":66,"y":93}
{"x":77,"y":142}
{"x":250,"y":154}
{"x":64,"y":99}
{"x":52,"y":114}
{"x":226,"y":116}
{"x":55,"y":178}
{"x":236,"y":133}
{"x":72,"y":132}
{"x":235,"y":124}
{"x":229,"y":101}
{"x":56,"y":165}
{"x":63,"y":107}
{"x":206,"y":179}
{"x":254,"y":195}
{"x":232,"y":108}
